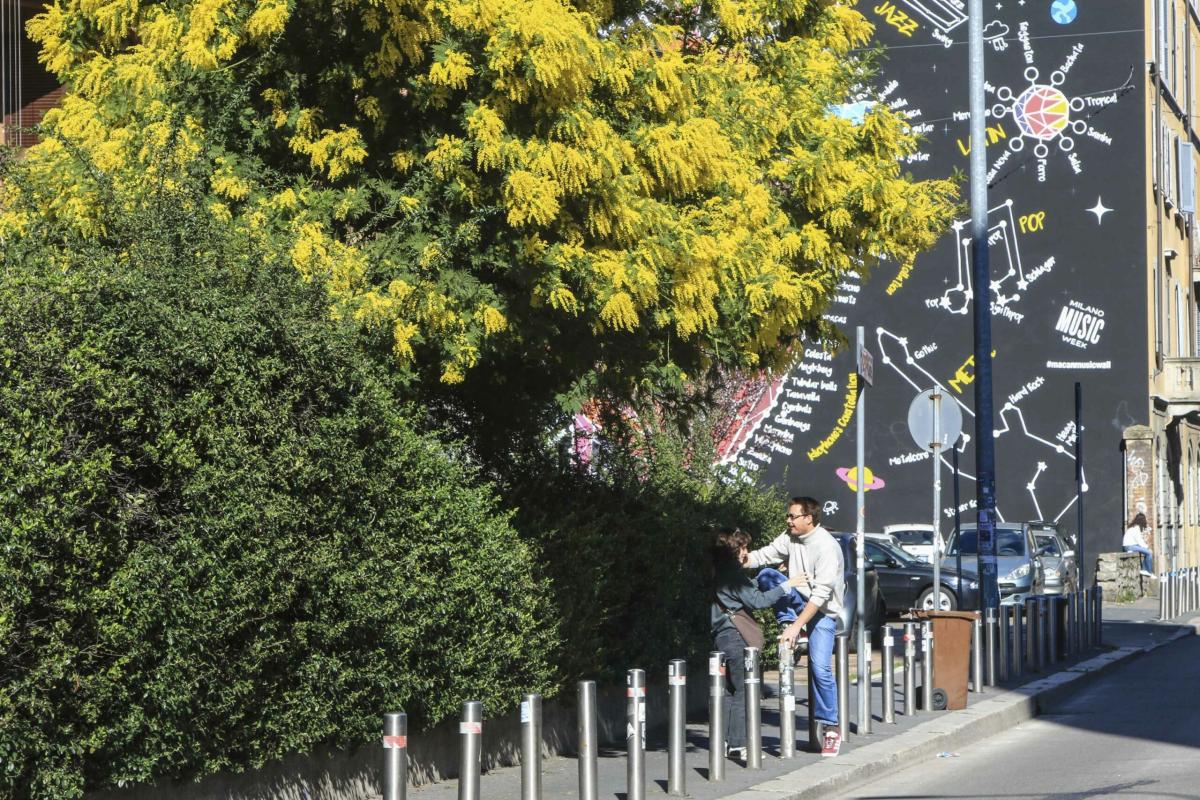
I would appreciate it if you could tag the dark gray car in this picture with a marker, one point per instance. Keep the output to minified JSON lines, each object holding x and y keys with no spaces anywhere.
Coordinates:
{"x":1018,"y":564}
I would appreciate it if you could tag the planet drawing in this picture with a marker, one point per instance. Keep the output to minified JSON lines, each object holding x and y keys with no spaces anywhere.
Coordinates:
{"x":850,"y":476}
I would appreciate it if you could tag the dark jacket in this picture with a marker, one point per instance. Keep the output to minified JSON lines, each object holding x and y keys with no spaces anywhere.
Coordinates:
{"x":734,"y":591}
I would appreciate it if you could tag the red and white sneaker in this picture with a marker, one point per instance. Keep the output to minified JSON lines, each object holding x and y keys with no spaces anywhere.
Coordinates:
{"x":831,"y":743}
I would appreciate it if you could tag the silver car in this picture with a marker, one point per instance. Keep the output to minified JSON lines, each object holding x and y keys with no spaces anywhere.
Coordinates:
{"x":1058,"y":559}
{"x":1018,"y":564}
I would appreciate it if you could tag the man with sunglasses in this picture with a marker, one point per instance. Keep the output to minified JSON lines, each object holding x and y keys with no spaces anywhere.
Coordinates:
{"x":814,"y":556}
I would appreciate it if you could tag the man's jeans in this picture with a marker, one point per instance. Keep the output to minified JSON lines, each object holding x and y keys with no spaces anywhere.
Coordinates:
{"x":822,"y":631}
{"x":1147,"y":559}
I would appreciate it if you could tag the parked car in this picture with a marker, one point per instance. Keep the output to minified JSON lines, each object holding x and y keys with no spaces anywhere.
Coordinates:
{"x":1058,"y":558}
{"x":915,"y":538}
{"x":876,"y":606}
{"x":907,"y":583}
{"x":887,"y":538}
{"x":1018,"y":565}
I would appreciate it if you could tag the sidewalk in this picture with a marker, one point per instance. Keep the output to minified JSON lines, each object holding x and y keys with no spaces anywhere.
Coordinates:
{"x":1129,"y":630}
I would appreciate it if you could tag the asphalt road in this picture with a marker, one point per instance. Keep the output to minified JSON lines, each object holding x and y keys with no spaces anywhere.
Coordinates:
{"x":1133,"y":734}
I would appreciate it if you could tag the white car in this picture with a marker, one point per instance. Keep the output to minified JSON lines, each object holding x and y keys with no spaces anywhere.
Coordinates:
{"x":915,"y":538}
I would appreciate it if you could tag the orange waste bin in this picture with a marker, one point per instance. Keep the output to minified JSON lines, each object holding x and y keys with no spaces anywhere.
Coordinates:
{"x":951,"y":652}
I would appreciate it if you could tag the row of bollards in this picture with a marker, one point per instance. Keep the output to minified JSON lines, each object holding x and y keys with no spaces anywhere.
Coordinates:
{"x":1178,"y":592}
{"x":1005,"y":646}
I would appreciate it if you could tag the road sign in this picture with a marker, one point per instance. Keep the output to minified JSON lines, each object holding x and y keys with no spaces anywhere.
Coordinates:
{"x":866,"y":365}
{"x":920,"y":420}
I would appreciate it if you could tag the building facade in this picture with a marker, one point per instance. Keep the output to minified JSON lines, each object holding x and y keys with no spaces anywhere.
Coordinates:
{"x":1163,"y":457}
{"x":27,"y":91}
{"x":1073,"y":217}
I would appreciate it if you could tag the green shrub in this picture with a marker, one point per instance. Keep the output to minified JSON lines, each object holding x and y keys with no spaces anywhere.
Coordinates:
{"x":626,"y":544}
{"x":221,"y":539}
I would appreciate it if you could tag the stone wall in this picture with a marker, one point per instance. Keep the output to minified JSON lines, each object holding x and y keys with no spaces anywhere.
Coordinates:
{"x":1120,"y":575}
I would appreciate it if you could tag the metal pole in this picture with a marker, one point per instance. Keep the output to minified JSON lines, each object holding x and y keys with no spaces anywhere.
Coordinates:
{"x":635,"y":734}
{"x":843,"y":684}
{"x":860,"y":601}
{"x":1002,"y":638}
{"x":989,"y":672}
{"x":471,"y":731}
{"x":814,"y":732}
{"x":1098,"y":616}
{"x":716,"y":716}
{"x":1072,"y":630}
{"x":889,"y":677}
{"x":1079,"y":486}
{"x":787,"y":701}
{"x":1031,"y":631}
{"x":976,"y":684}
{"x":958,"y":531}
{"x":927,"y":667}
{"x":676,"y":735}
{"x":1085,"y":621}
{"x":1039,"y":641}
{"x":753,"y":708}
{"x":935,"y":448}
{"x":588,"y":741}
{"x":395,"y":756}
{"x":910,"y":669}
{"x":1162,"y":595}
{"x":1018,"y":642}
{"x":1052,"y":634}
{"x":531,"y":747}
{"x":985,"y":448}
{"x":864,"y":704}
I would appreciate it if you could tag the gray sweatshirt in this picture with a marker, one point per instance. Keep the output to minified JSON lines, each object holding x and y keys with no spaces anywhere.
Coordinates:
{"x":816,"y":553}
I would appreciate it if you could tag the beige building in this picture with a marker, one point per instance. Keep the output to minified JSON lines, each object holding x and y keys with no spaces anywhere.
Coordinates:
{"x":1163,"y":460}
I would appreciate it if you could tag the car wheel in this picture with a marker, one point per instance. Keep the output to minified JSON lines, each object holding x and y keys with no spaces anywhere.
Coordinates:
{"x":948,"y":601}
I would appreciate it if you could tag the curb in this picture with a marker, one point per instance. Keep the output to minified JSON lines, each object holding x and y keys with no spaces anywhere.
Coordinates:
{"x":950,"y":732}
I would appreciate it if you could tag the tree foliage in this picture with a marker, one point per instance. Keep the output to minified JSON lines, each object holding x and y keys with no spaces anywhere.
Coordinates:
{"x":523,"y":199}
{"x":223,"y":541}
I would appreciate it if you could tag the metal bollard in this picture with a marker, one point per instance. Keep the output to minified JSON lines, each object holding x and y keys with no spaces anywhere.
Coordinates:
{"x":1052,"y":633}
{"x":814,"y":732}
{"x":588,"y":741}
{"x":889,"y":677}
{"x":787,"y":701}
{"x":531,"y":747}
{"x":635,"y":734}
{"x":753,"y":708}
{"x":716,"y":716}
{"x":395,"y":756}
{"x":910,"y":669}
{"x":1031,"y":633}
{"x":1162,"y":595}
{"x":1002,"y":642}
{"x":1085,"y":619}
{"x":676,"y":734}
{"x":976,"y":684}
{"x":864,"y":686}
{"x":989,"y":669}
{"x":471,"y":731}
{"x":1073,"y":623}
{"x":1097,"y":615}
{"x":1018,"y":642}
{"x":1042,"y":616}
{"x":843,"y":684}
{"x":927,"y":667}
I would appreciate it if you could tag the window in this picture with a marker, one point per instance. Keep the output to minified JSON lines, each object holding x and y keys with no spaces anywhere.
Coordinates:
{"x":1180,"y":326}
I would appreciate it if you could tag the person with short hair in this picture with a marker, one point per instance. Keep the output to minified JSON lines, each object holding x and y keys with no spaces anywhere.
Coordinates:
{"x":814,"y":559}
{"x":1135,"y":542}
{"x":735,"y":592}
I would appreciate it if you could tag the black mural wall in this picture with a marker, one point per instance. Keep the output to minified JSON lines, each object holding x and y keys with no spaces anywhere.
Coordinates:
{"x":1067,"y":245}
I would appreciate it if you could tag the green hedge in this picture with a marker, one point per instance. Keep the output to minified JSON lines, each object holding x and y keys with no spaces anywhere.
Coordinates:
{"x":221,"y":539}
{"x":626,"y":544}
